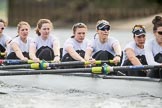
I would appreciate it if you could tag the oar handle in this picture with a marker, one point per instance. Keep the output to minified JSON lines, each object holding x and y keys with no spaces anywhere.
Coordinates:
{"x":2,"y":54}
{"x":24,"y":66}
{"x":104,"y":61}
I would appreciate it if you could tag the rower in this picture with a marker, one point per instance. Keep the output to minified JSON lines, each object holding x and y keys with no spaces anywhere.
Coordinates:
{"x":133,"y":53}
{"x":45,"y":46}
{"x":4,"y":39}
{"x":18,"y":48}
{"x":153,"y":48}
{"x":74,"y":47}
{"x":103,"y":47}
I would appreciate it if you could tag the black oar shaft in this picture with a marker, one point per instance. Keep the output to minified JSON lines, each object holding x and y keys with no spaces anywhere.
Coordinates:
{"x":24,"y":66}
{"x":142,"y":67}
{"x":44,"y":65}
{"x":76,"y":63}
{"x":36,"y":72}
{"x":14,"y":66}
{"x":15,"y":61}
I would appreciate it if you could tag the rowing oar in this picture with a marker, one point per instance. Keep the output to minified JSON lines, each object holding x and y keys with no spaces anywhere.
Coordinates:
{"x":43,"y":65}
{"x":76,"y":63}
{"x":51,"y":63}
{"x":15,"y":61}
{"x":24,"y":66}
{"x":95,"y":70}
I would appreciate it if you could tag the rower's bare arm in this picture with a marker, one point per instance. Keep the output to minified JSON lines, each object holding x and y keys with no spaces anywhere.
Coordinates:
{"x":117,"y":50}
{"x":132,"y":57}
{"x":17,"y":51}
{"x":32,"y":52}
{"x":56,"y":49}
{"x":88,"y":54}
{"x":74,"y":54}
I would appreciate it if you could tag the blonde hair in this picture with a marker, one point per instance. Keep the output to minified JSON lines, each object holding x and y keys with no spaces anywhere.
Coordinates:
{"x":40,"y":23}
{"x":21,"y":23}
{"x":78,"y":25}
{"x":4,"y":22}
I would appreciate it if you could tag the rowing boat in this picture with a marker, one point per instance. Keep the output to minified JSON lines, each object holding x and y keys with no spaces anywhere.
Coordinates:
{"x":87,"y":82}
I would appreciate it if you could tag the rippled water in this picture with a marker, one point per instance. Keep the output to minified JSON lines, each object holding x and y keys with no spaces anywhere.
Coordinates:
{"x":32,"y":97}
{"x":37,"y":98}
{"x":21,"y":96}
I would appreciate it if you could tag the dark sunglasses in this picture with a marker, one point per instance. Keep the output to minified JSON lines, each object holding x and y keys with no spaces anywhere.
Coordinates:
{"x":2,"y":28}
{"x":105,"y":28}
{"x":159,"y":32}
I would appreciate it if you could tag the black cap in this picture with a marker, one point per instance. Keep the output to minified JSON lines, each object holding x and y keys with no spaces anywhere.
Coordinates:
{"x":102,"y":24}
{"x":139,"y":30}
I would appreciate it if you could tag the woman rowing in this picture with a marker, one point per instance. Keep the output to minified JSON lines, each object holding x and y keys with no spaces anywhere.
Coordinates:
{"x":18,"y":48}
{"x":153,"y":48}
{"x":4,"y":39}
{"x":74,"y":47}
{"x":45,"y":46}
{"x":103,"y":47}
{"x":133,"y":53}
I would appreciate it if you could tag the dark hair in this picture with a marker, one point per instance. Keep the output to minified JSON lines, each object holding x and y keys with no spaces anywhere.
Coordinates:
{"x":21,"y":23}
{"x":157,"y":22}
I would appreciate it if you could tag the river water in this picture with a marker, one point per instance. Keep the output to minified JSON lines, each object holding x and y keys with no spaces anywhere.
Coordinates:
{"x":24,"y":97}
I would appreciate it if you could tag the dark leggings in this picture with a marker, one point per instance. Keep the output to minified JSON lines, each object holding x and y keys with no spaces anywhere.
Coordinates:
{"x":142,"y":59}
{"x":2,"y":49}
{"x":67,"y":56}
{"x":156,"y":73}
{"x":45,"y":53}
{"x":12,"y":55}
